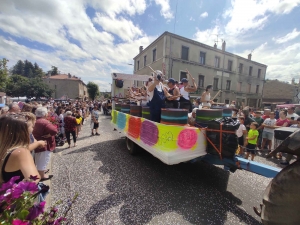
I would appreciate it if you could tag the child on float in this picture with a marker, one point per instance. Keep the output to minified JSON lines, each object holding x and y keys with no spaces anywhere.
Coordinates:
{"x":241,"y":133}
{"x":252,"y":140}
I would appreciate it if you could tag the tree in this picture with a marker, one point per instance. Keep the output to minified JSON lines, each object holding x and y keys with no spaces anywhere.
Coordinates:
{"x":28,"y":69}
{"x":93,"y":90}
{"x":54,"y":71}
{"x":17,"y":86}
{"x":18,"y":68}
{"x":3,"y":74}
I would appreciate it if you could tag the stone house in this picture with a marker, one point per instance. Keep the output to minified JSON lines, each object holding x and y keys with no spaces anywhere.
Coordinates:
{"x":66,"y":85}
{"x":277,"y":92}
{"x":240,"y":79}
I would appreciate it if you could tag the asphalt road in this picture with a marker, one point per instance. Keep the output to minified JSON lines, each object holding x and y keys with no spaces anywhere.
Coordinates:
{"x":117,"y":188}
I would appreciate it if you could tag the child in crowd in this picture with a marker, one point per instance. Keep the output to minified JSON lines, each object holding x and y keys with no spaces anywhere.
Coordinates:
{"x":259,"y":120}
{"x":252,"y":140}
{"x":79,"y":122}
{"x":241,"y":133}
{"x":268,"y":132}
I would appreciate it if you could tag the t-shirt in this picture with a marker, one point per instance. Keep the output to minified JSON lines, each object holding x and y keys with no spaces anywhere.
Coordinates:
{"x":289,"y":116}
{"x":280,"y":122}
{"x":265,"y":117}
{"x":251,"y":134}
{"x":269,"y":122}
{"x":96,"y":114}
{"x":239,"y":132}
{"x":151,"y":93}
{"x":247,"y":122}
{"x":259,"y":120}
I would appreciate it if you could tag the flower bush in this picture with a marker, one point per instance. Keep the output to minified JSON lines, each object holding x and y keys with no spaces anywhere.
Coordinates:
{"x":18,"y":205}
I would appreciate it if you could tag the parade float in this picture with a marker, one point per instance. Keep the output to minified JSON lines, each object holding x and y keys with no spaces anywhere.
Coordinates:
{"x":212,"y":140}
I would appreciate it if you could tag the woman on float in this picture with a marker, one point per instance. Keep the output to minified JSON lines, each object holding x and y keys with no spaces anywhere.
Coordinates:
{"x":205,"y":97}
{"x":157,"y":95}
{"x":185,"y":91}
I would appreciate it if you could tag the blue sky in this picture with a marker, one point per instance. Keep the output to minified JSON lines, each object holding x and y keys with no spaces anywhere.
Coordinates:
{"x":92,"y":38}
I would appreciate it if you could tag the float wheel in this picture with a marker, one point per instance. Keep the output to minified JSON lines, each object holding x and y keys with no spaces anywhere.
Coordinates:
{"x":132,"y":147}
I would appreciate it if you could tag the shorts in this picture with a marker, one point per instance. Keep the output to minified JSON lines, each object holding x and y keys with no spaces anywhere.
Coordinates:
{"x":41,"y":160}
{"x":267,"y":135}
{"x":241,"y":141}
{"x":251,"y":148}
{"x":96,"y":125}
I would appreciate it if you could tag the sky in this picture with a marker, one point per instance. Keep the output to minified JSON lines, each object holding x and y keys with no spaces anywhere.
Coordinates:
{"x":93,"y":38}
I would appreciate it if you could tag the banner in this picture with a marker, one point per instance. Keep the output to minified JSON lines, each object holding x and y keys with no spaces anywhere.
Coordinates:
{"x":123,"y":76}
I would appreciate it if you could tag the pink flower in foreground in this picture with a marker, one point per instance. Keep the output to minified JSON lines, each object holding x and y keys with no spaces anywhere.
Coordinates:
{"x":19,"y":222}
{"x":36,"y":210}
{"x":9,"y":184}
{"x":23,"y":186}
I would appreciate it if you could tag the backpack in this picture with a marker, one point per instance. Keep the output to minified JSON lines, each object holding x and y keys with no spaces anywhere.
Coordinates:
{"x":119,"y":83}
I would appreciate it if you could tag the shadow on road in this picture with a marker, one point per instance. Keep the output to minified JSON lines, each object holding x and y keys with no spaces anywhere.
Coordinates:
{"x":146,"y":187}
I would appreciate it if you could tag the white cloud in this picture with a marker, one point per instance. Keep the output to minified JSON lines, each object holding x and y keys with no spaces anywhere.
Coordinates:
{"x":249,"y":15}
{"x":283,"y":63}
{"x":95,"y":55}
{"x":203,"y":15}
{"x":123,"y":28}
{"x":287,"y":37}
{"x":165,"y":9}
{"x":192,"y":19}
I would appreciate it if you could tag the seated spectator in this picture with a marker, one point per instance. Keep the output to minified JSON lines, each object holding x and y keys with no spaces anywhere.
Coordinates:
{"x":192,"y":117}
{"x":44,"y":130}
{"x":15,"y":158}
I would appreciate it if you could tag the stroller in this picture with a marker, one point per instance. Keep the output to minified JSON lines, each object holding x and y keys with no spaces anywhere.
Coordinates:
{"x":59,"y":139}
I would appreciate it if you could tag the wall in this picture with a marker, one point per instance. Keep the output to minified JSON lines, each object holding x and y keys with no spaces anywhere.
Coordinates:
{"x":71,"y":88}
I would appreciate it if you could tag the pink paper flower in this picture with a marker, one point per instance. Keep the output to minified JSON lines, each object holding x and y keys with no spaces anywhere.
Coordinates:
{"x":19,"y":222}
{"x":36,"y":210}
{"x":23,"y":186}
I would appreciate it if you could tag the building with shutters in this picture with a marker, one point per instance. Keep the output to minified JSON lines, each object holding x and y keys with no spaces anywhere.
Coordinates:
{"x":240,"y":79}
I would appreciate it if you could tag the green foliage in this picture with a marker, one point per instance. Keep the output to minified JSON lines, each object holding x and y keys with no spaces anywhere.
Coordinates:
{"x":54,"y":71}
{"x":27,"y":69}
{"x":3,"y":73}
{"x":93,"y":90}
{"x":18,"y":85}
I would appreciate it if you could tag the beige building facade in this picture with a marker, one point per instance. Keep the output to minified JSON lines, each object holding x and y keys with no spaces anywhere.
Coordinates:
{"x":66,"y":85}
{"x":239,"y":78}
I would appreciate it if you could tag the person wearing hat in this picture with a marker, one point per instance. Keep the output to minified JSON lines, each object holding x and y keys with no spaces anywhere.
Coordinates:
{"x":185,"y":102}
{"x":192,"y":117}
{"x":173,"y":99}
{"x":157,"y":95}
{"x":205,"y":97}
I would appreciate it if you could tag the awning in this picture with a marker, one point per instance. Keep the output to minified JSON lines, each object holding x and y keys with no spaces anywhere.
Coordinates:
{"x":288,"y":105}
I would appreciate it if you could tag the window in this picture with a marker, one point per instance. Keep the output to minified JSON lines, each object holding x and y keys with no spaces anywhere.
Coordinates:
{"x":202,"y":57}
{"x":182,"y":75}
{"x":240,"y":86}
{"x":217,"y":62}
{"x":84,"y":92}
{"x":227,"y":101}
{"x":250,"y":71}
{"x":153,"y":55}
{"x":138,"y":65}
{"x":241,"y":68}
{"x":228,"y":84}
{"x":184,"y":53}
{"x":229,"y":65}
{"x":215,"y":85}
{"x":201,"y":81}
{"x":249,"y":88}
{"x":257,"y":89}
{"x":145,"y":60}
{"x":259,"y":72}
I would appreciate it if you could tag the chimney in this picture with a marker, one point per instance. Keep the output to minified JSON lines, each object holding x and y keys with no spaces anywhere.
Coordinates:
{"x":215,"y":46}
{"x":69,"y":75}
{"x":249,"y":56}
{"x":141,"y":48}
{"x":223,"y":46}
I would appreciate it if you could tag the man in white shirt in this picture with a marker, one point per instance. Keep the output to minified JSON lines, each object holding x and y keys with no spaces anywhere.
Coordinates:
{"x":291,"y":115}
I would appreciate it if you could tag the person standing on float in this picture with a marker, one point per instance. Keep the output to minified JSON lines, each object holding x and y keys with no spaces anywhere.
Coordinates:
{"x":156,"y":94}
{"x":205,"y":97}
{"x":185,"y":91}
{"x":173,"y":100}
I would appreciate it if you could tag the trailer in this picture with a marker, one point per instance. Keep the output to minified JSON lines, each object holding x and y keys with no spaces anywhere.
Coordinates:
{"x":174,"y":144}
